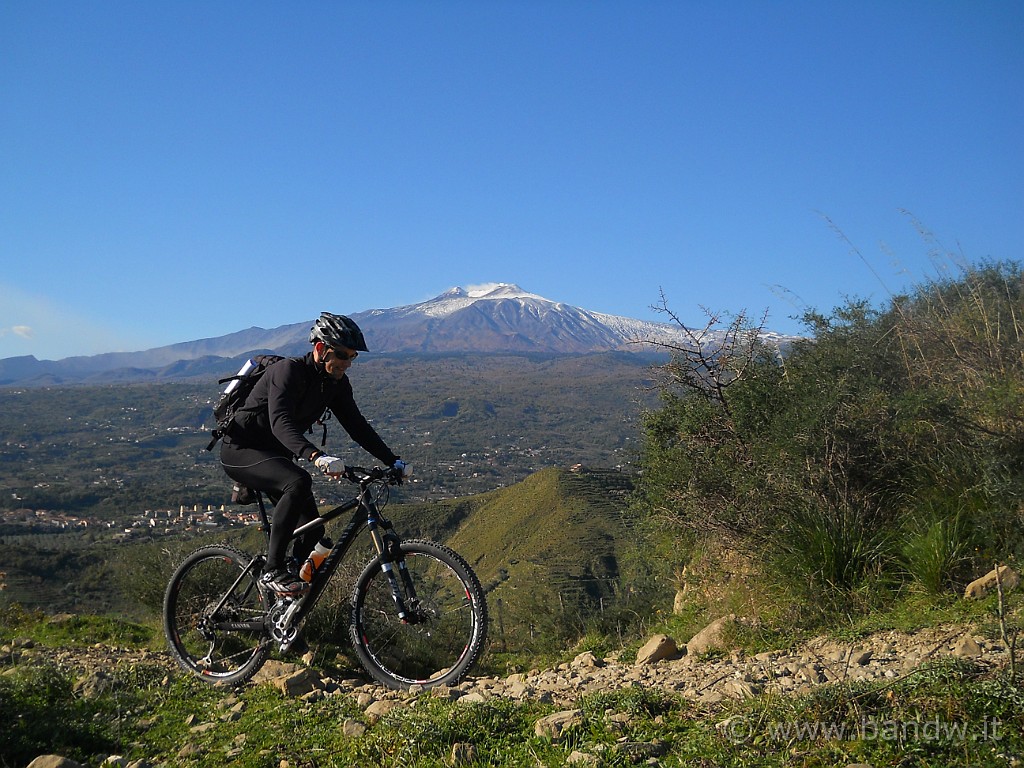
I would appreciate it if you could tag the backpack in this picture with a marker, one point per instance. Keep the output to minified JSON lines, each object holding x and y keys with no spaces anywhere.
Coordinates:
{"x":236,"y":392}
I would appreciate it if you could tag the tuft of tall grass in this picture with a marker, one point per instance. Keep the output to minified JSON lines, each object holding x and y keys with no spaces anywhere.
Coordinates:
{"x":938,"y":548}
{"x":829,"y":552}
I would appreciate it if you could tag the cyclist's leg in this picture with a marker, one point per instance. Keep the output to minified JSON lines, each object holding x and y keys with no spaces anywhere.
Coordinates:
{"x":290,"y":488}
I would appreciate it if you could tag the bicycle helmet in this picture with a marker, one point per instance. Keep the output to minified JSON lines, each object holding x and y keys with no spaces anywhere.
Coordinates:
{"x":337,"y":331}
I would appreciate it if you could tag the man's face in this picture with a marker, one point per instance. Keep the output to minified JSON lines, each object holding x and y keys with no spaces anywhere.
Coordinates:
{"x":337,"y":360}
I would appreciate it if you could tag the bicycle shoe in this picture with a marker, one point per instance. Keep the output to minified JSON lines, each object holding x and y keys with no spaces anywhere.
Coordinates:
{"x":283,"y":583}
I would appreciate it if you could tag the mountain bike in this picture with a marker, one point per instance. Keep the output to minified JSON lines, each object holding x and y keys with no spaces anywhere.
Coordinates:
{"x":417,"y":616}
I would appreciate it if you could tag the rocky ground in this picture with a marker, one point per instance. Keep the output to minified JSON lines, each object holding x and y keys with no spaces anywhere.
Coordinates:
{"x":694,"y":671}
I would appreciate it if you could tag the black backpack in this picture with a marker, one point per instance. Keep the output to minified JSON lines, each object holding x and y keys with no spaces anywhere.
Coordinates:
{"x":236,"y":392}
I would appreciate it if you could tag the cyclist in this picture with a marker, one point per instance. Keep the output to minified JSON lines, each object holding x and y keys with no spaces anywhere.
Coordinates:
{"x":269,"y":433}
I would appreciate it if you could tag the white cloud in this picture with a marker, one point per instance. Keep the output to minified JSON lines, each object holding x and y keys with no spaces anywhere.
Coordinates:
{"x":36,"y":325}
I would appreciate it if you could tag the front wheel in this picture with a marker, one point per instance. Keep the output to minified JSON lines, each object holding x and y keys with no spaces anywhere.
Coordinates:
{"x":445,"y":631}
{"x":214,"y":615}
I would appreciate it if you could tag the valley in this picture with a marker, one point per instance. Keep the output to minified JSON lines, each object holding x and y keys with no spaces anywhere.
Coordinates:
{"x":467,"y":423}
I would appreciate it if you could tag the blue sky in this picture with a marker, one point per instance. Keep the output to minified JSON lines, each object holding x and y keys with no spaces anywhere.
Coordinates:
{"x":175,"y":171}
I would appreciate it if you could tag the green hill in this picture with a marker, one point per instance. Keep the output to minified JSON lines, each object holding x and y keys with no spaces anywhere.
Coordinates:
{"x":546,"y":549}
{"x":568,"y":525}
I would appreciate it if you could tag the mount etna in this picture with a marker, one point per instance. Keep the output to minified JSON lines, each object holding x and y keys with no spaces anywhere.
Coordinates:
{"x":496,"y":318}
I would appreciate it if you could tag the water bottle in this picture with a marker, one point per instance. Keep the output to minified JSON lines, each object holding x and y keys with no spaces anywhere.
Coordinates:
{"x":316,"y":558}
{"x":242,"y":373}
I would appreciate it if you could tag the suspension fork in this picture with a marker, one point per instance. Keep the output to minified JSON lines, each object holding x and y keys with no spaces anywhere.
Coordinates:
{"x":389,"y":550}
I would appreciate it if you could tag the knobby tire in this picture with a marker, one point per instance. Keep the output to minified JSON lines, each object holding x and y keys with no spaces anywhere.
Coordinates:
{"x":226,"y":645}
{"x":449,"y":631}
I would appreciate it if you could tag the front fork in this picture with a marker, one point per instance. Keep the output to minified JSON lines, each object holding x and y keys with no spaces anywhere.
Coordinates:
{"x":392,"y":559}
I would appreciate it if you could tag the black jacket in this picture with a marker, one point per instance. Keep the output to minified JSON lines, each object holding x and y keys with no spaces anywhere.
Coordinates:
{"x":285,"y":403}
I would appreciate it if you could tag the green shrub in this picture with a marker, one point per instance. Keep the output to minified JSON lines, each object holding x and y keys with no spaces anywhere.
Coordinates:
{"x":831,"y":551}
{"x":939,"y":548}
{"x":812,"y":458}
{"x":40,"y":715}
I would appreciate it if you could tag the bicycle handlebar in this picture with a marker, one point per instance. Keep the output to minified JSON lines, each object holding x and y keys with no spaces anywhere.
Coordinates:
{"x":362,"y":476}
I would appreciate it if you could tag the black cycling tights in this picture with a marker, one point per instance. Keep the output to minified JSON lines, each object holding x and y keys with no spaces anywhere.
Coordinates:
{"x":288,"y":486}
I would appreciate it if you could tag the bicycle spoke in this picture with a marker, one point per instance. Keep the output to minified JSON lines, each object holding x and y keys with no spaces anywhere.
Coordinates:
{"x":213,"y":615}
{"x":444,"y":631}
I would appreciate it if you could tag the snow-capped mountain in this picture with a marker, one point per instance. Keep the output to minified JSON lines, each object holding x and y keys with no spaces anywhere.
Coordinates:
{"x":498,"y":317}
{"x":502,"y":317}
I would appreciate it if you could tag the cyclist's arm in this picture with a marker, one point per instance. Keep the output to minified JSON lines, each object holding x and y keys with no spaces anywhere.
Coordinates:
{"x":285,"y":389}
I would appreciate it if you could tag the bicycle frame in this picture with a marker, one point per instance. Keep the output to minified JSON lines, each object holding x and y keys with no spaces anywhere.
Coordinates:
{"x":364,"y":512}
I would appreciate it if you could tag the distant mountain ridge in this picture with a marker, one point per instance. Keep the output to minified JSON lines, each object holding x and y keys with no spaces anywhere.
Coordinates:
{"x":495,"y":318}
{"x":502,"y":317}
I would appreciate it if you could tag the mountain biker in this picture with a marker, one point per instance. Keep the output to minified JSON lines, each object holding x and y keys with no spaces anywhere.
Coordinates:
{"x":268,"y":434}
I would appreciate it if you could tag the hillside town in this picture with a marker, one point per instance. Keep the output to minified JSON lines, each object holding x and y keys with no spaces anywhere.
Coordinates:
{"x":148,"y":524}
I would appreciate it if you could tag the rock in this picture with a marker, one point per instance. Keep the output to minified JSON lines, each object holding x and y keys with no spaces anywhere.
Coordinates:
{"x":584,"y":759}
{"x":274,"y":668}
{"x":657,"y":648}
{"x":553,"y":726}
{"x":54,"y":761}
{"x":860,"y":658}
{"x":739,"y":689}
{"x":352,"y":728}
{"x":587,"y":659}
{"x":978,"y":588}
{"x":190,"y":751}
{"x":712,"y":637}
{"x":298,"y":683}
{"x":967,"y":647}
{"x":94,"y":684}
{"x":446,"y":694}
{"x":635,"y":751}
{"x":518,"y":691}
{"x":378,"y":709}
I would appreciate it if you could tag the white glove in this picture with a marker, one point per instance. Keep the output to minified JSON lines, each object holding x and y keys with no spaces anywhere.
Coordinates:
{"x":404,"y":469}
{"x":330,"y":465}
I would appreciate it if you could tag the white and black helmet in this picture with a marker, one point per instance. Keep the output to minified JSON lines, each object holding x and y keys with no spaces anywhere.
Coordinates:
{"x":337,"y":331}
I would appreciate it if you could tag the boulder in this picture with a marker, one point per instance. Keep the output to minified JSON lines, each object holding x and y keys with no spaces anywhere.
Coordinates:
{"x":379,"y":709}
{"x":967,"y":647}
{"x":352,"y":728}
{"x":297,"y":683}
{"x":54,"y":761}
{"x":553,"y":726}
{"x":978,"y":588}
{"x":657,"y":648}
{"x":274,"y":668}
{"x":588,"y":660}
{"x":712,"y":637}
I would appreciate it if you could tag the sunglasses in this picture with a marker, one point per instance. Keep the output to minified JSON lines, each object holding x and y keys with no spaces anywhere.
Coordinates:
{"x":344,"y":355}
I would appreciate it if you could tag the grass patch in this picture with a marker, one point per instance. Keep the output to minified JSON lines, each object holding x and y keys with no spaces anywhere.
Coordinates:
{"x":67,"y":630}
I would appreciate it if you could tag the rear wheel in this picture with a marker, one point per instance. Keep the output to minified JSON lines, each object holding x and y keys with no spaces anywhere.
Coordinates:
{"x":445,"y":631}
{"x":214,"y":615}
